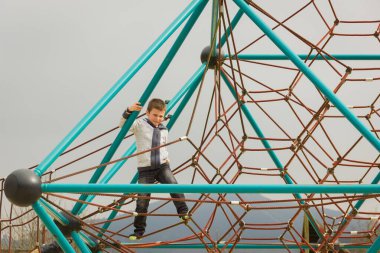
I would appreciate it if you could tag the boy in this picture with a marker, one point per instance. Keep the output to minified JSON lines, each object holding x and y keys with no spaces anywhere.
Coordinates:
{"x":154,"y":165}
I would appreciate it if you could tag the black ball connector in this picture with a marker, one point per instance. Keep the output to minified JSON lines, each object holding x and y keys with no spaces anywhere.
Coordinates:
{"x":23,"y":187}
{"x":51,"y":248}
{"x":213,"y":59}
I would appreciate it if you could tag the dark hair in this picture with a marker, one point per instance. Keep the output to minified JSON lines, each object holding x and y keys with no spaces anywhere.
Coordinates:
{"x":156,"y":103}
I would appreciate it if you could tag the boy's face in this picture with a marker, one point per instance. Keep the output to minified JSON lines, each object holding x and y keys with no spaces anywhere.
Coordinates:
{"x":155,"y":116}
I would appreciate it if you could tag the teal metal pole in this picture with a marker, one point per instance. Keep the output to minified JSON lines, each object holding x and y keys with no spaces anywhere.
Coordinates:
{"x":80,"y":243}
{"x":106,"y":179}
{"x":353,"y":57}
{"x":271,"y":153}
{"x":359,"y":204}
{"x":99,"y":106}
{"x":191,"y":84}
{"x":259,"y":132}
{"x":234,"y":22}
{"x":144,"y":98}
{"x":266,"y":144}
{"x":249,"y":246}
{"x":210,"y":188}
{"x":310,"y":74}
{"x":88,"y":240}
{"x":195,"y":81}
{"x":54,"y":230}
{"x":60,"y":218}
{"x":214,"y":20}
{"x":375,"y":248}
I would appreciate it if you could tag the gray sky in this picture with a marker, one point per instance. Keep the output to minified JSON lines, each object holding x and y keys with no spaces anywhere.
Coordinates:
{"x":58,"y":58}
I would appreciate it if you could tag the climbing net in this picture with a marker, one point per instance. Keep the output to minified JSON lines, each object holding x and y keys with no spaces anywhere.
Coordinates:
{"x":250,"y":118}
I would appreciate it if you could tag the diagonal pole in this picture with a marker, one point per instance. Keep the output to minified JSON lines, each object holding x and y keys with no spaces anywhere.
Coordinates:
{"x":80,"y":243}
{"x":192,"y":81}
{"x":375,"y":246}
{"x":99,"y":106}
{"x":190,"y":84}
{"x":330,"y":95}
{"x":62,"y":219}
{"x":52,"y":227}
{"x":144,"y":97}
{"x":193,"y":84}
{"x":272,"y":154}
{"x":234,"y":22}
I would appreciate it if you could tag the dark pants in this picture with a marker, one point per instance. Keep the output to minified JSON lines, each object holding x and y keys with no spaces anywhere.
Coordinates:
{"x":164,"y":175}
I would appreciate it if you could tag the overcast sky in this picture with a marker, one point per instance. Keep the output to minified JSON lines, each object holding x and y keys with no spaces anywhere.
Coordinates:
{"x":58,"y":58}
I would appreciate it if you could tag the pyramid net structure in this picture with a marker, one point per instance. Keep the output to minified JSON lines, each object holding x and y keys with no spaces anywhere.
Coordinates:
{"x":249,"y":117}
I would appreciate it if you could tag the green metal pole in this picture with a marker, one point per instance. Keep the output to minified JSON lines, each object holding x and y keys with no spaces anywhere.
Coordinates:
{"x":191,"y":84}
{"x":234,"y":22}
{"x":52,"y":227}
{"x":214,"y":20}
{"x":249,"y":246}
{"x":375,"y":248}
{"x":62,"y":219}
{"x":352,"y":57}
{"x":44,"y":165}
{"x":210,"y":188}
{"x":80,"y":243}
{"x":267,"y":145}
{"x":144,"y":98}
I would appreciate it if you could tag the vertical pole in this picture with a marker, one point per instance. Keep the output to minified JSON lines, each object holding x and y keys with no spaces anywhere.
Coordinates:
{"x":99,"y":106}
{"x":329,"y":94}
{"x":54,"y":230}
{"x":214,"y":20}
{"x":144,"y":98}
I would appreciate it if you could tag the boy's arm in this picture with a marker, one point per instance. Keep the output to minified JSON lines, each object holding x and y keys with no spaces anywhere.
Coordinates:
{"x":135,"y":107}
{"x":124,"y":117}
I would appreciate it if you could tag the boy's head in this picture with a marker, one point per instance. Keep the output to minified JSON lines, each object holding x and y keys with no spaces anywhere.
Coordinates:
{"x":156,"y":103}
{"x":156,"y":111}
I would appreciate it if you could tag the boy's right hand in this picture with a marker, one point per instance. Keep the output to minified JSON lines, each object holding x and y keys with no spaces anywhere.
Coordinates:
{"x":135,"y":107}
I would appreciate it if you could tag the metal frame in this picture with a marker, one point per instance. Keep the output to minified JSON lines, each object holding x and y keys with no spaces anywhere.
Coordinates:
{"x":192,"y":12}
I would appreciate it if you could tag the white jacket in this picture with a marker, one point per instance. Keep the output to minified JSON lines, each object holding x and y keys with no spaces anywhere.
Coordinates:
{"x":146,"y":139}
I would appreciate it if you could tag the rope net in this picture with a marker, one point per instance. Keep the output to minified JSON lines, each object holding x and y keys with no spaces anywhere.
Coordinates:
{"x":254,"y":122}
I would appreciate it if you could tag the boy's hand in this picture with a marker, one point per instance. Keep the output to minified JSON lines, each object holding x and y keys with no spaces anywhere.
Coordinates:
{"x":135,"y":107}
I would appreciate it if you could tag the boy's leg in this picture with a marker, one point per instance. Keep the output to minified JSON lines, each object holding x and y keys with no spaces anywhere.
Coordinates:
{"x":145,"y":177}
{"x":165,"y":176}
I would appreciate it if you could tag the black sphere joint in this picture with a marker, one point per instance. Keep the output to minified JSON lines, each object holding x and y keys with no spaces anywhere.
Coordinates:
{"x":23,"y":187}
{"x":51,"y":248}
{"x":205,"y":54}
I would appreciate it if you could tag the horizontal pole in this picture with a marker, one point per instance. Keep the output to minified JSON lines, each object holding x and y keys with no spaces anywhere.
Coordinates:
{"x":244,"y":246}
{"x":353,"y":57}
{"x":209,"y":188}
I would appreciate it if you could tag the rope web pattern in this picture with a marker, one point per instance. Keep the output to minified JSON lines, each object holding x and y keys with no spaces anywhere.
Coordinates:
{"x":312,"y":141}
